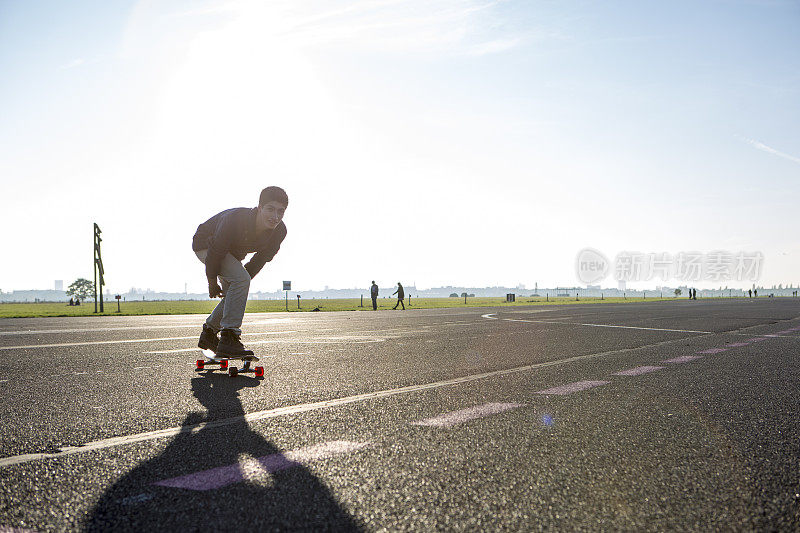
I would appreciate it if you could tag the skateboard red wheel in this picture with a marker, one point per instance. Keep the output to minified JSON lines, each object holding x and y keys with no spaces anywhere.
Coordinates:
{"x":223,"y":364}
{"x":200,"y":364}
{"x":259,"y":371}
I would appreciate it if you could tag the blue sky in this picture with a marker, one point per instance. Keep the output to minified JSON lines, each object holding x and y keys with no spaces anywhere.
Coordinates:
{"x":452,"y":142}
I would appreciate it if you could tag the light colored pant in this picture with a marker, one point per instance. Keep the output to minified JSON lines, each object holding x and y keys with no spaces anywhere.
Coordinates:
{"x":229,"y":312}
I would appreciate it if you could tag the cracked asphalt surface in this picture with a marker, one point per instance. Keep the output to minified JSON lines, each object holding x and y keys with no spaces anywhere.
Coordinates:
{"x":92,"y":418}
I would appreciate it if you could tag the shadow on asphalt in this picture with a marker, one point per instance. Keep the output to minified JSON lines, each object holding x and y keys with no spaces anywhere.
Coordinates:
{"x":290,"y":499}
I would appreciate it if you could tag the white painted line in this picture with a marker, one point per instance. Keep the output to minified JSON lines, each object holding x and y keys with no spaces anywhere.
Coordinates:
{"x":597,"y":325}
{"x":464,"y":415}
{"x":131,"y":328}
{"x":222,"y":476}
{"x":638,"y":371}
{"x":757,"y":339}
{"x":683,"y":359}
{"x":127,"y":341}
{"x":572,"y":387}
{"x":737,"y":344}
{"x":290,"y":410}
{"x":327,"y":340}
{"x":714,"y":350}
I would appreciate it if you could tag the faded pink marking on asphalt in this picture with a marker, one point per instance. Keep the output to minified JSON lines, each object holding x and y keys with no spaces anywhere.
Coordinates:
{"x":222,"y":476}
{"x":683,"y":359}
{"x":757,"y":339}
{"x":573,"y":387}
{"x":714,"y":350}
{"x":736,"y":344}
{"x":464,"y":415}
{"x":638,"y":371}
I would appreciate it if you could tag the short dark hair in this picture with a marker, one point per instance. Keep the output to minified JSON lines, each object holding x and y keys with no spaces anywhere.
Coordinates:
{"x":273,"y":193}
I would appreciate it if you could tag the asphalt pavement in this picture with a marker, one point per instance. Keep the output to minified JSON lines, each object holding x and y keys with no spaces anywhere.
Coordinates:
{"x":660,"y":415}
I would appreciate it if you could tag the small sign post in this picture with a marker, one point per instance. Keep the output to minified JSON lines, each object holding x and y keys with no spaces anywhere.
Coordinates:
{"x":287,"y":286}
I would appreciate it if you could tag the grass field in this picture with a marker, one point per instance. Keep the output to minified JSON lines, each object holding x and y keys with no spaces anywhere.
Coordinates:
{"x":29,"y":310}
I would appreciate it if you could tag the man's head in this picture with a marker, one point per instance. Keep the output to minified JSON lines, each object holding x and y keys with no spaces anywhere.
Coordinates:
{"x":373,"y":282}
{"x":271,"y":206}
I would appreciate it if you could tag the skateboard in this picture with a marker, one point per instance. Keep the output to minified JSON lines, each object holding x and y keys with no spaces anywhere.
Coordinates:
{"x":212,"y":358}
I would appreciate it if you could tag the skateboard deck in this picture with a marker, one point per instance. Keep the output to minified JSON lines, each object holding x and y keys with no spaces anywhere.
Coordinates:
{"x":212,"y":358}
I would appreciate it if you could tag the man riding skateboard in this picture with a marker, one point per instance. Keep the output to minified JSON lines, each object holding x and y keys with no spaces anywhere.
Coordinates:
{"x":222,"y":242}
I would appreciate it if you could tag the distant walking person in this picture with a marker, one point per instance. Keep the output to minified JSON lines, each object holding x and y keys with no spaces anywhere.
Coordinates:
{"x":373,"y":292}
{"x":400,"y":296}
{"x":750,"y":292}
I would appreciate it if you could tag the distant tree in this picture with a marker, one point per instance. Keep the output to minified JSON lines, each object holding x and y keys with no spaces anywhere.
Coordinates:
{"x":678,"y":292}
{"x":453,"y":295}
{"x":472,"y":296}
{"x":463,"y":294}
{"x":81,"y":289}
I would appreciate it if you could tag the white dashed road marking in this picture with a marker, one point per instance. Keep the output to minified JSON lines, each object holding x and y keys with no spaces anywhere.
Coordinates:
{"x":638,"y":371}
{"x":572,"y":387}
{"x":222,"y":476}
{"x":714,"y":350}
{"x":464,"y":415}
{"x":683,"y":359}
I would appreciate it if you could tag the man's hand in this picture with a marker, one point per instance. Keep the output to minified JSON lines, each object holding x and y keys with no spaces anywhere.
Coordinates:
{"x":214,"y":289}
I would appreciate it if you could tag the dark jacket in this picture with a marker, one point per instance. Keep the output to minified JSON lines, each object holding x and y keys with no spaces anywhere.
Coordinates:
{"x":400,"y":292}
{"x":234,"y":232}
{"x":373,"y":291}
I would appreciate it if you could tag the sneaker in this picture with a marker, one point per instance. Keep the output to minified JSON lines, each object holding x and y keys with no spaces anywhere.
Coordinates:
{"x":229,"y":344}
{"x":208,"y":339}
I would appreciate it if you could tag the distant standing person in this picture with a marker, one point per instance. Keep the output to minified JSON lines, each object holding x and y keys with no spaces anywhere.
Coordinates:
{"x":373,"y":292}
{"x":750,"y":292}
{"x":400,"y":296}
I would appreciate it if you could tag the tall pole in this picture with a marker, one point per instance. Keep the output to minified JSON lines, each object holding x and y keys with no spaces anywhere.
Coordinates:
{"x":99,"y":273}
{"x":94,"y":268}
